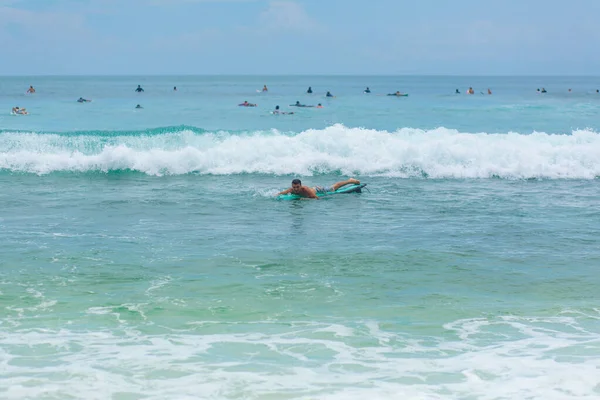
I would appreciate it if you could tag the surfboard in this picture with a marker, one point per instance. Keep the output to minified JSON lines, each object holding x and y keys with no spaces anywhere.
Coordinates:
{"x":343,"y":189}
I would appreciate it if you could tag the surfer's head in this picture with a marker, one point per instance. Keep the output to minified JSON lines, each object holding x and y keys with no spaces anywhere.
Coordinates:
{"x":296,"y":185}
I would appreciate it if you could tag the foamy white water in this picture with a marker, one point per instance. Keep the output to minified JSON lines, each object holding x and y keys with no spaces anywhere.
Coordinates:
{"x":440,"y":153}
{"x":510,"y":357}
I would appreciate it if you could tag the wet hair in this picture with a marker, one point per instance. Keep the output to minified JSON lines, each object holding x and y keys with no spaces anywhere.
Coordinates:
{"x":277,"y":107}
{"x":296,"y":182}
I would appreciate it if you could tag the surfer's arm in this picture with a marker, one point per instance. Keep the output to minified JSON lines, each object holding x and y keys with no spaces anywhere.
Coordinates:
{"x":311,"y":194}
{"x":284,"y":192}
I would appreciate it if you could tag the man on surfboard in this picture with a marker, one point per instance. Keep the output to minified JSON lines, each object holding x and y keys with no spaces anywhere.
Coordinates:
{"x":311,"y":193}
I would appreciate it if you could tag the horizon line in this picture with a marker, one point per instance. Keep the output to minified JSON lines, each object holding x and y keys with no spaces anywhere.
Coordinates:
{"x":304,"y":75}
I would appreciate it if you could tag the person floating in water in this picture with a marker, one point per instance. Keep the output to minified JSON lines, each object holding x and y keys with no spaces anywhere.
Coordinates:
{"x":489,"y":91}
{"x":138,"y":106}
{"x":398,"y":94}
{"x":82,"y":100}
{"x":457,"y":91}
{"x":309,"y":91}
{"x":139,"y":89}
{"x":367,"y":90}
{"x":20,"y":111}
{"x":544,"y":90}
{"x":174,"y":88}
{"x":329,"y":94}
{"x":470,"y":91}
{"x":246,"y":104}
{"x":311,"y":192}
{"x":298,"y":104}
{"x":31,"y":90}
{"x":281,"y":112}
{"x":319,"y":105}
{"x":265,"y":89}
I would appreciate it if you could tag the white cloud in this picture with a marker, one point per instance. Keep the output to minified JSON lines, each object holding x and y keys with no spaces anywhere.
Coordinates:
{"x":287,"y":16}
{"x":43,"y":24}
{"x":191,"y":41}
{"x":279,"y":17}
{"x":175,"y":2}
{"x":47,"y":40}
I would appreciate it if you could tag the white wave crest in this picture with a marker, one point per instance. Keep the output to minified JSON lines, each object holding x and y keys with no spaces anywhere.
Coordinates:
{"x":439,"y":153}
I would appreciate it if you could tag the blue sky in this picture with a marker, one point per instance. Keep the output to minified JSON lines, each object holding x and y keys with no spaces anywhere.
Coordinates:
{"x":461,"y":37}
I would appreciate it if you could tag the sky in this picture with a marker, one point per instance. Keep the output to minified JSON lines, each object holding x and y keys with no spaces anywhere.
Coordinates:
{"x":304,"y":37}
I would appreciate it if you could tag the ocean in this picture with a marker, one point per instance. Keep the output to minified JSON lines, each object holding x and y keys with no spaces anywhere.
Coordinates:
{"x":144,"y":255}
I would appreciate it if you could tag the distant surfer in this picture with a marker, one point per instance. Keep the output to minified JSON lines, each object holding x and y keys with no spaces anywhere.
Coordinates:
{"x":329,"y":94}
{"x":367,"y":90}
{"x":489,"y":91}
{"x":298,"y":104}
{"x":281,"y":112}
{"x":82,"y":100}
{"x":458,"y":91}
{"x":138,"y":106}
{"x":174,"y":88}
{"x":139,"y":89}
{"x":470,"y":91}
{"x":19,"y":111}
{"x":544,"y":90}
{"x":31,"y":90}
{"x":398,"y":94}
{"x":309,"y":91}
{"x":311,"y":192}
{"x":246,"y":104}
{"x":319,"y":105}
{"x":265,"y":89}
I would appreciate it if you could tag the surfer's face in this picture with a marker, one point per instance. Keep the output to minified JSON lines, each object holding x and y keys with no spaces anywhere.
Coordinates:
{"x":296,"y":187}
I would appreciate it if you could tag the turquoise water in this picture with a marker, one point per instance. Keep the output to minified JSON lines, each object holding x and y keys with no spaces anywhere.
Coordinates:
{"x":143,"y":255}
